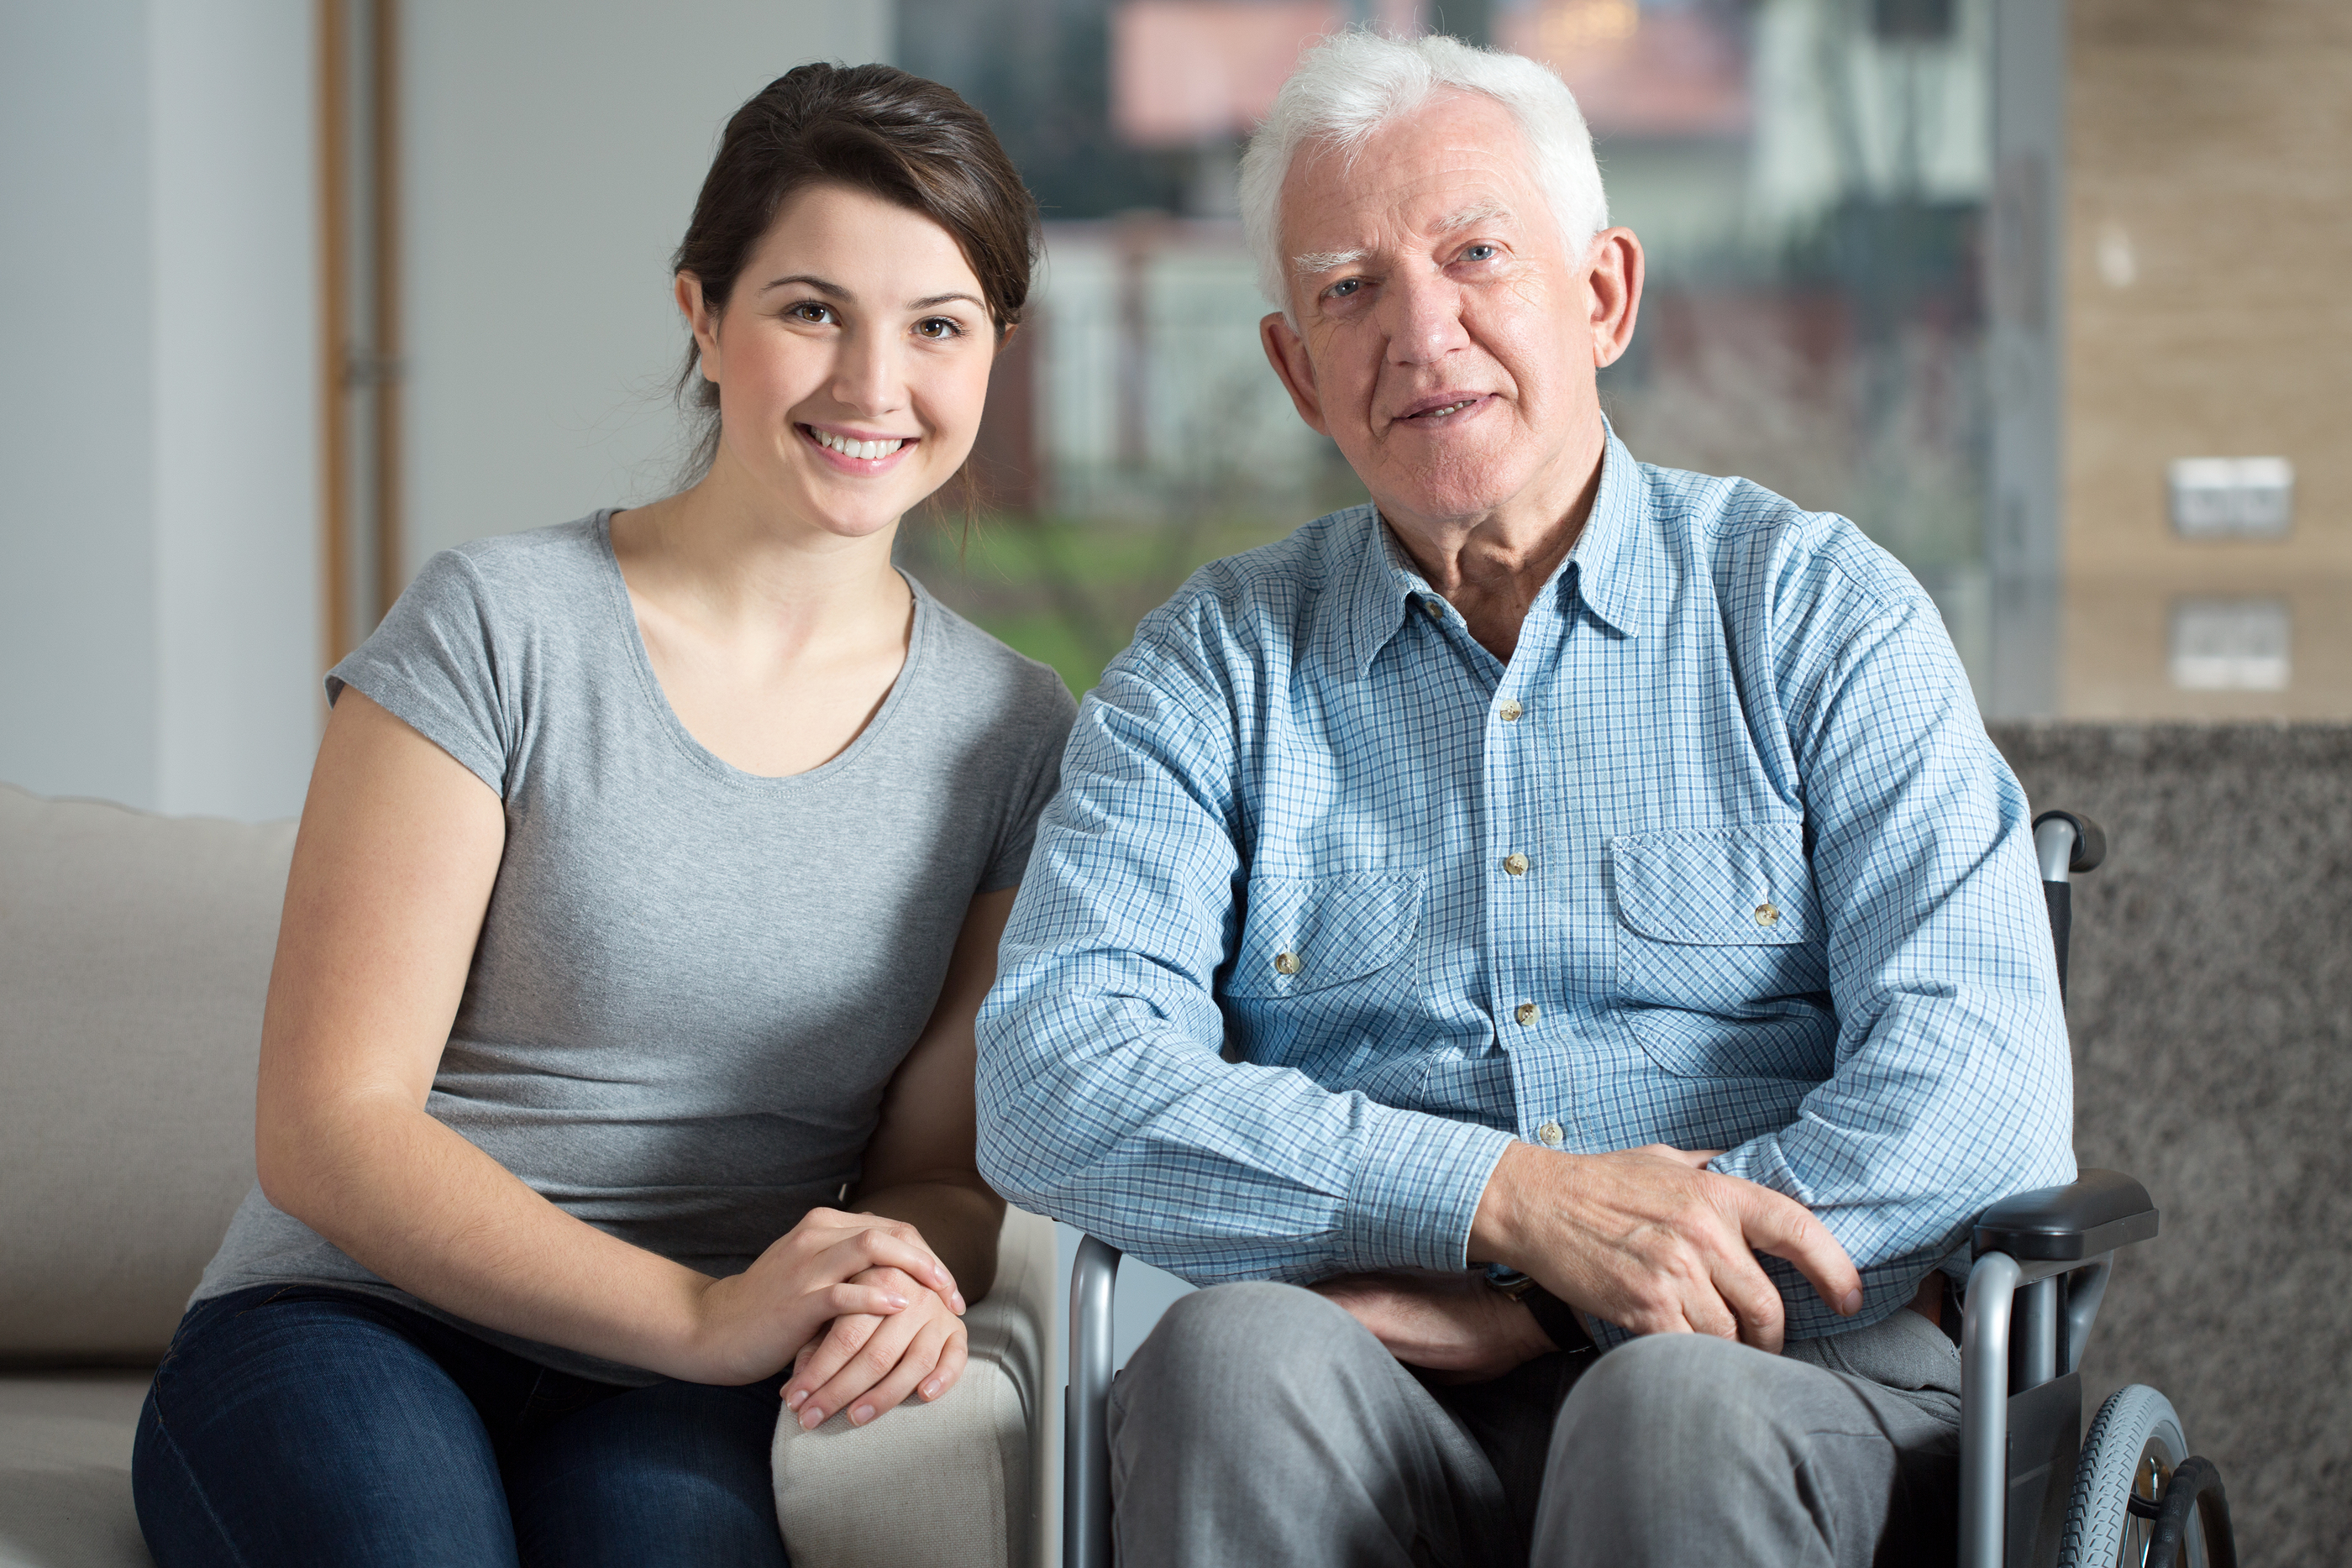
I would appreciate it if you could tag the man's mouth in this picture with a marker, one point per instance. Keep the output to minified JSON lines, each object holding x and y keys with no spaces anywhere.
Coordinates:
{"x":1453,"y":404}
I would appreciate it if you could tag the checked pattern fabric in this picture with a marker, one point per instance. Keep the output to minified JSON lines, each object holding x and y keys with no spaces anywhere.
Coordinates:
{"x":1334,"y":903}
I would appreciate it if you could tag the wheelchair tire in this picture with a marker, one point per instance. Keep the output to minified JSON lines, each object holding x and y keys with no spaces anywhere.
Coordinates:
{"x":2134,"y":1446}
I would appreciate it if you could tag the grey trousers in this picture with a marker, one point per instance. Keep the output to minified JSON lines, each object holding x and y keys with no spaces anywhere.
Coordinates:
{"x":1261,"y":1424}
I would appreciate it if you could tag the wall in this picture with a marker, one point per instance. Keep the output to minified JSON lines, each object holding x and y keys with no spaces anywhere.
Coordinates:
{"x":2209,"y":236}
{"x":2211,"y":1015}
{"x":553,"y":152}
{"x":158,"y":559}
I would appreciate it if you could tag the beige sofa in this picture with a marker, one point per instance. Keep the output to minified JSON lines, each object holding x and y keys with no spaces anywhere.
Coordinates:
{"x":134,"y":950}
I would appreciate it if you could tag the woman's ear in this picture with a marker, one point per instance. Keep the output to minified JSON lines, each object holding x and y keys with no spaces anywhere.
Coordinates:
{"x":700,"y":320}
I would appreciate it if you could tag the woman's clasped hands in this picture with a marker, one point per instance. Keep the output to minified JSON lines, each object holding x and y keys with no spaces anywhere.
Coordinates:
{"x":893,"y":1309}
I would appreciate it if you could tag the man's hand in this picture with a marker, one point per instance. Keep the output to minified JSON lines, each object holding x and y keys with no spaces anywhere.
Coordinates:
{"x":1451,"y":1324}
{"x":1654,"y":1242}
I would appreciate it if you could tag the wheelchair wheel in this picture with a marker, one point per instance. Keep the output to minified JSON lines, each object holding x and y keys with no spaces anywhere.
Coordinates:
{"x":2132,"y":1450}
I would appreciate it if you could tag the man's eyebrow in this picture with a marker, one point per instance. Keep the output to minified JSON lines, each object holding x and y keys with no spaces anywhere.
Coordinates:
{"x":1470,"y":217}
{"x":1316,"y":261}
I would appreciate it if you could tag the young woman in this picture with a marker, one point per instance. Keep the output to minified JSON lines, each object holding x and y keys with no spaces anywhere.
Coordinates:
{"x":616,"y":1077}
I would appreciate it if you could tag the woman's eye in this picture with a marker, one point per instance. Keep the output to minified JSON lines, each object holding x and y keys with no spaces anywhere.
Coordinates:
{"x":938,"y":329}
{"x":811,"y":311}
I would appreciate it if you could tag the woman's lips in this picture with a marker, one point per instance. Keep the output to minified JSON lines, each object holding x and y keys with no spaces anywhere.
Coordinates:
{"x":843,"y":462}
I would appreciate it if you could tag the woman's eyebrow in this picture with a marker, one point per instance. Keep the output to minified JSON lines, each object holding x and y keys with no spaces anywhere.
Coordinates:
{"x":809,"y":280}
{"x":931,"y":301}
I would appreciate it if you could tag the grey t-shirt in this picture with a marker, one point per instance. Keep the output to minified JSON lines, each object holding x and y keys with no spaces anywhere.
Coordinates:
{"x":692,"y":982}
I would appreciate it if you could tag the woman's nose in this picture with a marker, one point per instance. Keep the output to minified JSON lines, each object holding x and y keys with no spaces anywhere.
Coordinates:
{"x":868,"y":377}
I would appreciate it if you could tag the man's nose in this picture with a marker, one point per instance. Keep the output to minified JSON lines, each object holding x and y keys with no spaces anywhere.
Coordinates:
{"x":1425,"y":317}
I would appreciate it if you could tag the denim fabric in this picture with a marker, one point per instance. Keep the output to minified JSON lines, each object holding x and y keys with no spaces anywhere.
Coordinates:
{"x":1334,"y":904}
{"x":306,"y":1425}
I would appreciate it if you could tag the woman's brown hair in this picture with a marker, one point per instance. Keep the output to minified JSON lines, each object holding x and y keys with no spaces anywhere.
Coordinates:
{"x":874,"y":129}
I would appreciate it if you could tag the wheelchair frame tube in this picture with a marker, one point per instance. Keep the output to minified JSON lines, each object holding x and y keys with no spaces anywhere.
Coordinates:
{"x":1086,"y":1408}
{"x":1984,"y":1409}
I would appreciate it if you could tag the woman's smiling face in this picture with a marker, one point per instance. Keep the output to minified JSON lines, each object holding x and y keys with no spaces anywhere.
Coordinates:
{"x":852,"y":360}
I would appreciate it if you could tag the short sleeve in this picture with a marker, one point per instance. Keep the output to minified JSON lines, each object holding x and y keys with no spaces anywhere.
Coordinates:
{"x":1049,"y":733}
{"x":432,"y":664}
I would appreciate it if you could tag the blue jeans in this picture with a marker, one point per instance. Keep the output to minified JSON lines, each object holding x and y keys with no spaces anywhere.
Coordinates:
{"x":301,"y":1424}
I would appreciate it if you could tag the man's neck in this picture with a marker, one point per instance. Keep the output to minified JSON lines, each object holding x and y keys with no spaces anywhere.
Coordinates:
{"x":1491,"y":567}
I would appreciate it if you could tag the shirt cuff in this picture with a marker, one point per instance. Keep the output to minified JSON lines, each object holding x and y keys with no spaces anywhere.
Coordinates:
{"x":1416,"y":1190}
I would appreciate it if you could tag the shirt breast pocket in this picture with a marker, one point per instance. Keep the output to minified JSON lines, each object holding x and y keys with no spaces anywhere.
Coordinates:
{"x":1322,"y":960}
{"x":1722,"y":963}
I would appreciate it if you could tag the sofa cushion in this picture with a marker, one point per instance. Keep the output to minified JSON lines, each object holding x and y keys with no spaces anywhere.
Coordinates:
{"x":65,"y":1470}
{"x":134,"y":953}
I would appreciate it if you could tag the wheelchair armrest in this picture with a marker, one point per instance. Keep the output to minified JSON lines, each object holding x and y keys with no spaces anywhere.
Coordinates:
{"x":2097,"y":1213}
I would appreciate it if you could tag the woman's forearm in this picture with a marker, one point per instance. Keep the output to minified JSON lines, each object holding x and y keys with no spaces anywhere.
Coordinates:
{"x":418,"y":1205}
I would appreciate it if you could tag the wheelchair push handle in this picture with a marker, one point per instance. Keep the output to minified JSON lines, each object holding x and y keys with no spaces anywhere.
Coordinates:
{"x":2064,"y":842}
{"x":2067,"y":841}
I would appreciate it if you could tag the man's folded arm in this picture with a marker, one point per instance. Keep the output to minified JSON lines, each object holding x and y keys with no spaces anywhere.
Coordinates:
{"x":1952,"y":1085}
{"x":1104,"y":1099}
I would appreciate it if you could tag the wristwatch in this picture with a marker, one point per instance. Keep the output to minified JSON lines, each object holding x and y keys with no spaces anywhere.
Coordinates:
{"x":1555,"y":1317}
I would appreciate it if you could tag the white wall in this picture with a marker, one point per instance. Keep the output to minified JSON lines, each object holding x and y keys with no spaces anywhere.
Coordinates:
{"x":236,"y":378}
{"x":553,"y":152}
{"x":76,"y":570}
{"x":158,"y":634}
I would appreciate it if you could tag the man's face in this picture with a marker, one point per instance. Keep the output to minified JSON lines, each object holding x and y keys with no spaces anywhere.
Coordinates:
{"x":1446,"y":336}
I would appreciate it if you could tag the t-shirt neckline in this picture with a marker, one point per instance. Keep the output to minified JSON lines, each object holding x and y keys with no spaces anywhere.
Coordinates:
{"x":665,"y":716}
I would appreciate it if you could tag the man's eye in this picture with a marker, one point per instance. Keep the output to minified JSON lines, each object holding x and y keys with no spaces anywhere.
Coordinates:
{"x":1480,"y":252}
{"x":1345,"y":287}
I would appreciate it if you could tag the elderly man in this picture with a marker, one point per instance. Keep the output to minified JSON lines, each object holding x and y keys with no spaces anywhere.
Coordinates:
{"x":1563,"y":898}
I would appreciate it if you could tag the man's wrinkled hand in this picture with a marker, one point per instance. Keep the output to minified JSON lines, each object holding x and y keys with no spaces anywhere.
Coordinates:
{"x":1651,"y":1240}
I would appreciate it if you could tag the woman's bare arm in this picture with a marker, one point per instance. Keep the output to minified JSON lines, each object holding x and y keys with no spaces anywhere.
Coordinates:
{"x":392,"y":869}
{"x":921,"y":1165}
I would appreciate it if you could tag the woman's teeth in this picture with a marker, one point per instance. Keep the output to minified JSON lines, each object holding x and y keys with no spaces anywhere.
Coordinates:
{"x":1449,"y":407}
{"x":848,"y":448}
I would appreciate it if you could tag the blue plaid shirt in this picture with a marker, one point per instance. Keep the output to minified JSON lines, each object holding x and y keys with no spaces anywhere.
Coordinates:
{"x":1333,"y":904}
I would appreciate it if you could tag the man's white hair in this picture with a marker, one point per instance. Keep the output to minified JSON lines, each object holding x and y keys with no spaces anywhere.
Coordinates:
{"x":1352,"y":84}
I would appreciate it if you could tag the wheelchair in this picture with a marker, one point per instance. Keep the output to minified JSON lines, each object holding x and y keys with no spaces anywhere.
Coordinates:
{"x":2036,"y":1492}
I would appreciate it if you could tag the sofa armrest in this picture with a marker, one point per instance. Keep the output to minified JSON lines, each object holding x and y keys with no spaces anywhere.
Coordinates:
{"x":954,"y":1483}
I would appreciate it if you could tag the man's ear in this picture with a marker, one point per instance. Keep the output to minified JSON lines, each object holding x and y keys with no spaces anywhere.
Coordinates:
{"x":1285,"y":350}
{"x":700,"y":320}
{"x":1614,"y":277}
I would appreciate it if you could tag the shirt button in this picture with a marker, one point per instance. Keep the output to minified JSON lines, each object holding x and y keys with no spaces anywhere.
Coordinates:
{"x":1435,"y":611}
{"x":1516,"y":864}
{"x":1510,"y":710}
{"x":1286,"y":963}
{"x":1768,"y":915}
{"x":1552,"y":1134}
{"x":1527,"y":1013}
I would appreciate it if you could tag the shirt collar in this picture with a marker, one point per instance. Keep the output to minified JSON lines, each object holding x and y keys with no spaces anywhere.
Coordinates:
{"x":1619,"y":559}
{"x":1614,"y":566}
